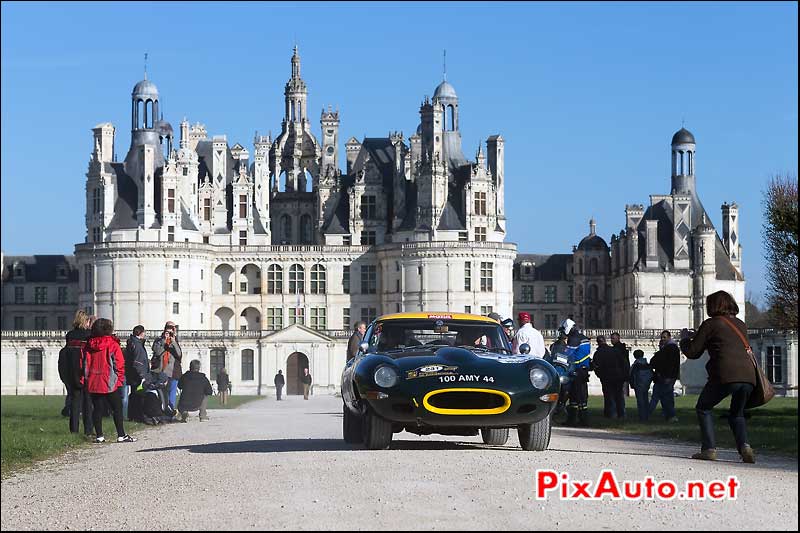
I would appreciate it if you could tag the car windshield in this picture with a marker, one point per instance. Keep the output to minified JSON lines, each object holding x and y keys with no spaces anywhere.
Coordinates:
{"x":414,"y":335}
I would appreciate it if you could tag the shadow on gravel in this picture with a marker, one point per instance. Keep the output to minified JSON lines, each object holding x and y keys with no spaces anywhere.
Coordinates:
{"x":319,"y":445}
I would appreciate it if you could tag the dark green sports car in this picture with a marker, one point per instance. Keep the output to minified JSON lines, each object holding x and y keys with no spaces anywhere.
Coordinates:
{"x":446,"y":373}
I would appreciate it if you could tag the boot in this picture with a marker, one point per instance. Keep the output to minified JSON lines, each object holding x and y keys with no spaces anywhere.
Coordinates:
{"x":748,"y":455}
{"x":572,"y":415}
{"x":706,"y":455}
{"x":583,"y":416}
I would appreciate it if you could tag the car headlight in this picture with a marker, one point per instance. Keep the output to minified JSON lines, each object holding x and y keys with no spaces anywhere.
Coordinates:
{"x":386,"y":377}
{"x":563,"y":379}
{"x":539,"y":378}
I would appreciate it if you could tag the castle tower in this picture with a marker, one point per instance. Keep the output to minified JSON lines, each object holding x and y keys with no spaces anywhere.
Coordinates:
{"x":683,"y":150}
{"x":730,"y":233}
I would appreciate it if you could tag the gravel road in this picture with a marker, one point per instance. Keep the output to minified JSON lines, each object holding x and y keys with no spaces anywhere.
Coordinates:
{"x":283,"y":465}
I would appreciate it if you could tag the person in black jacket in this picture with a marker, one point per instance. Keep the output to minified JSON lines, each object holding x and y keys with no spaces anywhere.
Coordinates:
{"x":279,"y":383}
{"x":666,"y":364}
{"x":70,"y":369}
{"x":612,"y":371}
{"x":195,"y":390}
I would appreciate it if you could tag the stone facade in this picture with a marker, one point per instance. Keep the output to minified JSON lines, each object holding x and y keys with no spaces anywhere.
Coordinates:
{"x":656,"y":273}
{"x":39,"y":292}
{"x":200,"y":235}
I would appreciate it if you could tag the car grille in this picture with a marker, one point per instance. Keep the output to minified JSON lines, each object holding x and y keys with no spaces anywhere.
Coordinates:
{"x":467,"y":402}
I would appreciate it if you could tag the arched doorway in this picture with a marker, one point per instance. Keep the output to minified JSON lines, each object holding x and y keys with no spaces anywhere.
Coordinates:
{"x":294,"y":372}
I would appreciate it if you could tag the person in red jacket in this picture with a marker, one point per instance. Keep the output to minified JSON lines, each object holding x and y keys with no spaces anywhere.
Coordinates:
{"x":104,"y":373}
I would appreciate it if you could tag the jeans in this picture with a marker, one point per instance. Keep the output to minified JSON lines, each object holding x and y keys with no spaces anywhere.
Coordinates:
{"x":80,"y":402}
{"x":278,"y":390}
{"x":115,"y":401}
{"x":712,"y":394}
{"x":123,"y":391}
{"x":173,"y":392}
{"x":613,"y":399}
{"x":642,"y":403}
{"x":202,"y":409}
{"x":662,"y":391}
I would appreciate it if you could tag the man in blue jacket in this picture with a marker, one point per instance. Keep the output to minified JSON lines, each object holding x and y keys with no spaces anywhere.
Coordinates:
{"x":579,"y":350}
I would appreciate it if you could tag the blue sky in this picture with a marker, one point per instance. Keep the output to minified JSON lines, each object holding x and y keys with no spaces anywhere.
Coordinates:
{"x":587,"y":97}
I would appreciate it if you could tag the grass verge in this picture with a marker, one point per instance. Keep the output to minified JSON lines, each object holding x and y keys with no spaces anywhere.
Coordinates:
{"x":32,"y":429}
{"x":771,"y":428}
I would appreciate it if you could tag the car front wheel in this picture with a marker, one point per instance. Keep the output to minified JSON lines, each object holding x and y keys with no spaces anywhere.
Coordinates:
{"x":377,"y":431}
{"x":494,"y":436}
{"x":351,"y":427}
{"x":536,"y":436}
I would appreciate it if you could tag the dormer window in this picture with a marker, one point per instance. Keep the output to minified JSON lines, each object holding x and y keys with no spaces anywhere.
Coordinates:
{"x":61,"y":272}
{"x":19,"y":271}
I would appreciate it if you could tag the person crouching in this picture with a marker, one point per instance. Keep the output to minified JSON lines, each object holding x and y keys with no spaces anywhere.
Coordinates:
{"x":195,"y":390}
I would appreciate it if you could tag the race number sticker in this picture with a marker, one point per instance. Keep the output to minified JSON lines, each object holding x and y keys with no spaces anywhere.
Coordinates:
{"x":430,"y":371}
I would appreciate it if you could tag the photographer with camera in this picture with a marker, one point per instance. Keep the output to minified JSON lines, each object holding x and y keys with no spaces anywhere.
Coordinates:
{"x":167,"y":354}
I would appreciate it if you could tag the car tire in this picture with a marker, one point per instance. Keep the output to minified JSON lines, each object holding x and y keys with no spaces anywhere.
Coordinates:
{"x":377,"y":431}
{"x":494,"y":436}
{"x":351,"y":427}
{"x":536,"y":436}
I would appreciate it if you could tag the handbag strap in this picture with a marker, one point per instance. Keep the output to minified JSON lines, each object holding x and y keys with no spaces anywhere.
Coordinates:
{"x":747,"y":346}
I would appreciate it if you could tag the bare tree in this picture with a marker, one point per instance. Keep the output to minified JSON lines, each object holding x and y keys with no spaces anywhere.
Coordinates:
{"x":780,"y":232}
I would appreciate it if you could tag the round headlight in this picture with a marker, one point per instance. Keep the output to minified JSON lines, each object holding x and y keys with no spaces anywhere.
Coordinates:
{"x":539,"y":378}
{"x":386,"y":377}
{"x":563,"y":379}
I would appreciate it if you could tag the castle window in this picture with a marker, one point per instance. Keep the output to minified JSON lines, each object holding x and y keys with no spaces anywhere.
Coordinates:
{"x":305,"y":229}
{"x":34,"y":365}
{"x":467,"y":276}
{"x":171,"y":233}
{"x":40,"y":295}
{"x":463,"y":236}
{"x":318,"y":279}
{"x":369,"y":279}
{"x":96,"y":200}
{"x":242,"y":206}
{"x":368,"y":314}
{"x":247,"y":365}
{"x":185,"y":171}
{"x":97,"y":235}
{"x":367,"y":238}
{"x":19,"y":323}
{"x":346,"y":318}
{"x":274,"y":318}
{"x":346,"y":279}
{"x":486,"y":309}
{"x":527,"y":294}
{"x":487,"y":277}
{"x":369,"y":207}
{"x":297,"y":279}
{"x":318,"y":320}
{"x":40,"y":323}
{"x":774,"y":364}
{"x":62,"y":295}
{"x":286,"y":229}
{"x":297,"y":316}
{"x":19,"y":295}
{"x":550,"y":294}
{"x":593,"y":266}
{"x":480,"y":234}
{"x":480,"y":203}
{"x":207,"y":209}
{"x":170,"y":200}
{"x":274,"y":279}
{"x":176,"y":308}
{"x":175,"y":285}
{"x":243,"y":238}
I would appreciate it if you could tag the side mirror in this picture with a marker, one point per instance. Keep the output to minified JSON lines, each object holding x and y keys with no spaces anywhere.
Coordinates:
{"x":363,"y":347}
{"x":524,"y":348}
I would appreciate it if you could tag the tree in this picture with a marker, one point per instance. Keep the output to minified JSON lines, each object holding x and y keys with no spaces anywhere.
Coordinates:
{"x":780,"y":232}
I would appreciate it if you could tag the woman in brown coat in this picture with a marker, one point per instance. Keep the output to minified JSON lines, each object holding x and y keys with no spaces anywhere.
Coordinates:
{"x":730,"y":372}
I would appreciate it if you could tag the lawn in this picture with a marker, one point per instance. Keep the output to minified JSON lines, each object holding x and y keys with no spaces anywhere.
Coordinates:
{"x":771,"y":428}
{"x":33,"y":429}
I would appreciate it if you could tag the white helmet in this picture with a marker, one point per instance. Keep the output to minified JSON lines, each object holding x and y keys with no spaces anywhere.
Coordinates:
{"x":567,"y":325}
